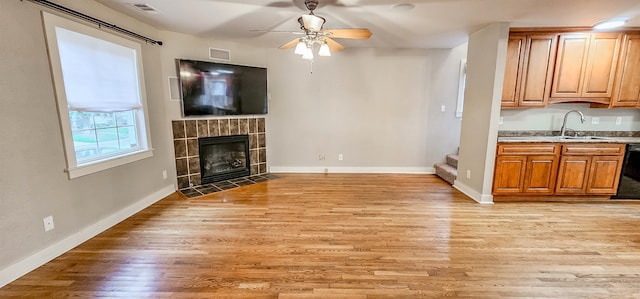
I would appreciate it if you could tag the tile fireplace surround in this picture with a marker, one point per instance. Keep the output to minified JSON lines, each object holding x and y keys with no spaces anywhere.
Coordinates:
{"x":185,"y":144}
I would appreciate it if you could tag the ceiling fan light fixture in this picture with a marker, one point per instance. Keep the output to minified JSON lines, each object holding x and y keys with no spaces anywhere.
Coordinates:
{"x":301,"y":47}
{"x":312,"y":22}
{"x":324,"y":50}
{"x":608,"y":24}
{"x":308,"y":54}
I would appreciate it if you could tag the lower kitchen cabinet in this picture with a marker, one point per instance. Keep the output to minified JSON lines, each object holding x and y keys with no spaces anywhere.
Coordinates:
{"x":573,"y":174}
{"x":557,"y":169}
{"x":540,"y":177}
{"x":590,"y":168}
{"x":525,"y":168}
{"x":509,"y":174}
{"x":604,"y":175}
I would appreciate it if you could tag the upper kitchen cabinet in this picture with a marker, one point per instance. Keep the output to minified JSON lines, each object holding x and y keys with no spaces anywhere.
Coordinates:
{"x":513,"y":70}
{"x":585,"y":67}
{"x":529,"y":69}
{"x":626,"y":89}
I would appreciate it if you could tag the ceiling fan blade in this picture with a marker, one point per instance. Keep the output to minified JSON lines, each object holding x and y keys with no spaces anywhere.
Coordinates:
{"x":357,"y":33}
{"x":290,"y":44}
{"x":280,"y":4}
{"x":277,"y":31}
{"x":334,"y":45}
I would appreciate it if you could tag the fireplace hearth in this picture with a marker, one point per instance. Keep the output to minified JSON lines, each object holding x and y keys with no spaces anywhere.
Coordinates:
{"x":224,"y":158}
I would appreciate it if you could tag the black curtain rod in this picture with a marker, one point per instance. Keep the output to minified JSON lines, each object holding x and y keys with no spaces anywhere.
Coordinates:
{"x":100,"y":23}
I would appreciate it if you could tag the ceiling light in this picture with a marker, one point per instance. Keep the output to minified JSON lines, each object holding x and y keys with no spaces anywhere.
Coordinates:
{"x":608,"y":24}
{"x":307,"y":44}
{"x":312,"y":22}
{"x":324,"y":50}
{"x":308,"y":54}
{"x":301,"y":47}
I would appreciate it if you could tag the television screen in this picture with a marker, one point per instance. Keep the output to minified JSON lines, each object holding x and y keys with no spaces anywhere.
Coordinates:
{"x":210,"y":88}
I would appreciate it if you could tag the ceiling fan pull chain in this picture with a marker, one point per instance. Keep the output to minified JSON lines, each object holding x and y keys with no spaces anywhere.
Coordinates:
{"x":311,"y":66}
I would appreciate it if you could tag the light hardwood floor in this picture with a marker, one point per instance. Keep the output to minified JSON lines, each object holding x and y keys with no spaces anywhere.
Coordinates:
{"x":352,"y":236}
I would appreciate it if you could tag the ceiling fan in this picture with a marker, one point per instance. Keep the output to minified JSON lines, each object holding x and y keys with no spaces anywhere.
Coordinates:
{"x":313,"y":34}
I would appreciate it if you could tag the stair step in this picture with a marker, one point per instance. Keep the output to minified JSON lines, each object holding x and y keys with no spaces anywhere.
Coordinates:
{"x":446,"y":172}
{"x":452,"y":160}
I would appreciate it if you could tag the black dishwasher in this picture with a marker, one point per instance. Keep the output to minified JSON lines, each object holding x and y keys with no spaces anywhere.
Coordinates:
{"x":629,"y":187}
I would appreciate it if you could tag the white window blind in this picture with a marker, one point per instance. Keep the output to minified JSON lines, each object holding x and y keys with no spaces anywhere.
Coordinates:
{"x":103,"y":74}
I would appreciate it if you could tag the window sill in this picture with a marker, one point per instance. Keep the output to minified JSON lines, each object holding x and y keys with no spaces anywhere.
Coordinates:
{"x":107,"y":164}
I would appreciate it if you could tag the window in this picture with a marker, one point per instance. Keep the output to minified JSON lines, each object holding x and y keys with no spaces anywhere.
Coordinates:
{"x":100,"y":92}
{"x":462,"y":81}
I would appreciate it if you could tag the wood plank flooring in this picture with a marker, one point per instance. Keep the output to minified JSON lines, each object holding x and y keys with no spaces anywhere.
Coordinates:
{"x":352,"y":236}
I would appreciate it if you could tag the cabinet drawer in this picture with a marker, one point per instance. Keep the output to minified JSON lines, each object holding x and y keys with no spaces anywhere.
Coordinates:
{"x":598,"y":149}
{"x":528,"y":148}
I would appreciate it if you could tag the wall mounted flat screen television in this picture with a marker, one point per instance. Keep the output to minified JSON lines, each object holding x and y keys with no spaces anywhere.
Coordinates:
{"x":210,"y":88}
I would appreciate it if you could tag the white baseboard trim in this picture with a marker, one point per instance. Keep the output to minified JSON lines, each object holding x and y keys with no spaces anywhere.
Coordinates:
{"x":45,"y":255}
{"x":330,"y":169}
{"x":475,"y":195}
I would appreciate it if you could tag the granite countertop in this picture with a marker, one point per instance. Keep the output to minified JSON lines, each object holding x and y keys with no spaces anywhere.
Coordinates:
{"x":585,"y":137}
{"x":566,"y":140}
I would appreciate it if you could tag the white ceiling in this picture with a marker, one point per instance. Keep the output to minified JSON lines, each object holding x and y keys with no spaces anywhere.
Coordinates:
{"x":431,"y":24}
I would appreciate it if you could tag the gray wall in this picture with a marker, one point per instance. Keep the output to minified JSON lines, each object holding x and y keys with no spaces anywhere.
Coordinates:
{"x":379,"y":108}
{"x":32,"y":182}
{"x":443,"y":135}
{"x":485,"y":75}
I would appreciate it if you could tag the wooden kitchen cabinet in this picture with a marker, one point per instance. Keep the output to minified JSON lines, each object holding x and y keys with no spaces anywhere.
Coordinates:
{"x":589,"y":168}
{"x":509,"y":174}
{"x":525,"y":168}
{"x":626,"y":90}
{"x":575,"y":169}
{"x":529,"y":69}
{"x":572,"y":175}
{"x":604,"y":175}
{"x":540,"y":176}
{"x":513,"y":70}
{"x":585,"y":67}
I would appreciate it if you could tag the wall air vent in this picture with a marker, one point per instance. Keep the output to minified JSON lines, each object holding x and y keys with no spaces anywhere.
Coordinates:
{"x":220,"y":54}
{"x":144,"y":7}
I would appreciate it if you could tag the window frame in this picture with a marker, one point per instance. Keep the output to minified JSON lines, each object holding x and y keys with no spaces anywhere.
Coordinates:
{"x":462,"y":82}
{"x":74,"y":170}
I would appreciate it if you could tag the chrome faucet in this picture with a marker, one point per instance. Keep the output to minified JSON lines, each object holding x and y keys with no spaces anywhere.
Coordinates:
{"x":564,"y":122}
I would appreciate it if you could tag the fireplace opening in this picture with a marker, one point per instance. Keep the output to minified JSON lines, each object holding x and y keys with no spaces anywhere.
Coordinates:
{"x":224,"y":157}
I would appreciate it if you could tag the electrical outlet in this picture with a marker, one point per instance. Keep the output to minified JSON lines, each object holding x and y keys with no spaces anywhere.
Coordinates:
{"x":48,"y":223}
{"x":164,"y":174}
{"x":618,"y":121}
{"x":321,"y":157}
{"x":595,"y":120}
{"x":469,"y":174}
{"x":443,"y":108}
{"x":340,"y":157}
{"x":501,"y":120}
